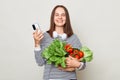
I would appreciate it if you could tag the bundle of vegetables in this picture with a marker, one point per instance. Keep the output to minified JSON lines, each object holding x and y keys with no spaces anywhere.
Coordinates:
{"x":56,"y":53}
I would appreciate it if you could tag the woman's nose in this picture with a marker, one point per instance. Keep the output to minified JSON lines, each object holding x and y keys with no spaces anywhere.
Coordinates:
{"x":59,"y":16}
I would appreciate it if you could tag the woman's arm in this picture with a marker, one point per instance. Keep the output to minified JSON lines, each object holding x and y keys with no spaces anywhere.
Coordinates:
{"x":39,"y":43}
{"x":72,"y":64}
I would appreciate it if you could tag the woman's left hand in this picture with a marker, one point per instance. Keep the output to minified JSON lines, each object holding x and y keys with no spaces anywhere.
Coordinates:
{"x":72,"y":62}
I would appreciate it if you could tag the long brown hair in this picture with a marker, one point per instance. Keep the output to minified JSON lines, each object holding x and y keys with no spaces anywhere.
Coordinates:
{"x":67,"y":27}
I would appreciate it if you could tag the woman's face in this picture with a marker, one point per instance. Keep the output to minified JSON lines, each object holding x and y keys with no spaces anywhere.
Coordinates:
{"x":59,"y":17}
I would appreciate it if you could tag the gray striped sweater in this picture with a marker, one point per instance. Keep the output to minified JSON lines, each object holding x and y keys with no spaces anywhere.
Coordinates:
{"x":50,"y":71}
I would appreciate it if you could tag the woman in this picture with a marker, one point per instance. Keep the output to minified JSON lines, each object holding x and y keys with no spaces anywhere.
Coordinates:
{"x":60,"y":27}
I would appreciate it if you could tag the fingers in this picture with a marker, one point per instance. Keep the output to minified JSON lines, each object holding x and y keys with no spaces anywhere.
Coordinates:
{"x":36,"y":31}
{"x":71,"y":57}
{"x":60,"y":68}
{"x":68,"y":62}
{"x":68,"y":59}
{"x":37,"y":36}
{"x":40,"y":37}
{"x":71,"y":61}
{"x":40,"y":34}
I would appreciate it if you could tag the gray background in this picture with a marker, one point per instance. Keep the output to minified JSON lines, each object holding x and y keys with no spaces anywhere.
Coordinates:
{"x":96,"y":22}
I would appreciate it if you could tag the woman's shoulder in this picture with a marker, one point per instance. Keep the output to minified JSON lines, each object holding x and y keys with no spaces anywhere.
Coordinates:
{"x":46,"y":36}
{"x":74,"y":41}
{"x":45,"y":33}
{"x":73,"y":36}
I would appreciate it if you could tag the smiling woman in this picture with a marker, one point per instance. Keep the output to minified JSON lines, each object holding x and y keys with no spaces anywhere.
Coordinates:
{"x":60,"y":28}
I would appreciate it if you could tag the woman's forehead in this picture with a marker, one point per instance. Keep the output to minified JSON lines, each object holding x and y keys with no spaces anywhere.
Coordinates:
{"x":59,"y":10}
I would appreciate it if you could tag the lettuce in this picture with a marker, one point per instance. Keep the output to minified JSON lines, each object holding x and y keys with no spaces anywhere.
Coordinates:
{"x":88,"y":54}
{"x":55,"y":53}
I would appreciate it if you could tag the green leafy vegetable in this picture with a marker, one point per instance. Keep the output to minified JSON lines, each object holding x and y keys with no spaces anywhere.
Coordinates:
{"x":88,"y":54}
{"x":55,"y":53}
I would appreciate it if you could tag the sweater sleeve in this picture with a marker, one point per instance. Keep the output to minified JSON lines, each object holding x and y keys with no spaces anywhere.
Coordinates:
{"x":39,"y":60}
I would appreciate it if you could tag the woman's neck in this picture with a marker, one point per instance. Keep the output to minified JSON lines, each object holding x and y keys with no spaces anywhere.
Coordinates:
{"x":59,"y":30}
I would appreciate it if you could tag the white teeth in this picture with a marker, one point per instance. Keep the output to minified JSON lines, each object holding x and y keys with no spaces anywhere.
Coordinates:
{"x":59,"y":21}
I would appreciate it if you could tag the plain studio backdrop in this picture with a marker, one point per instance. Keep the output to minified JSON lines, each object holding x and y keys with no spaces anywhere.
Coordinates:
{"x":96,"y":22}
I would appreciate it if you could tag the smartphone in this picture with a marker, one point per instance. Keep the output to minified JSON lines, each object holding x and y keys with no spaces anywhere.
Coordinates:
{"x":36,"y":26}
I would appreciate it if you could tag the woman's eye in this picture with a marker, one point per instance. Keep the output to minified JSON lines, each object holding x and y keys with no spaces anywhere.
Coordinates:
{"x":63,"y":15}
{"x":56,"y":15}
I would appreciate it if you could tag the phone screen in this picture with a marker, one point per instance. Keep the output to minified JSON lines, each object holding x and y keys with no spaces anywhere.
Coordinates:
{"x":36,"y":26}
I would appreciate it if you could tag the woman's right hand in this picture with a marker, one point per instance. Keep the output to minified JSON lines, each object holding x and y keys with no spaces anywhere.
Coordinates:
{"x":37,"y":37}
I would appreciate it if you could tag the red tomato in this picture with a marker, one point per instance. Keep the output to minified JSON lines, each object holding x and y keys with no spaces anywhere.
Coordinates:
{"x":75,"y":51}
{"x":77,"y":56}
{"x":67,"y":46}
{"x":81,"y":54}
{"x":72,"y":54}
{"x":70,"y":50}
